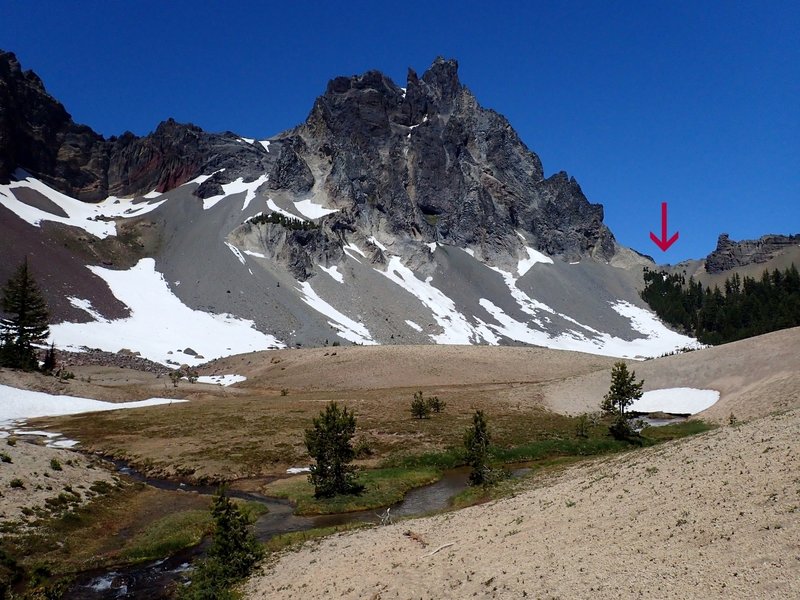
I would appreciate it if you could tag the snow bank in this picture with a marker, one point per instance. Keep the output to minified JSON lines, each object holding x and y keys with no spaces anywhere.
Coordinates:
{"x":160,"y":323}
{"x":680,"y":401}
{"x":92,"y":218}
{"x":333,"y":272}
{"x":223,"y":380}
{"x":275,"y":208}
{"x":236,"y":187}
{"x":312,"y":210}
{"x":349,"y":329}
{"x":17,"y":404}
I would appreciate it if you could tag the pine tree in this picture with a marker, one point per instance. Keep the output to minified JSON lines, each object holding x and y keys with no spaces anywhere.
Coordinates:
{"x":24,"y":322}
{"x":476,"y":441}
{"x":329,"y":442}
{"x":419,"y":408}
{"x":233,"y":545}
{"x":623,"y":391}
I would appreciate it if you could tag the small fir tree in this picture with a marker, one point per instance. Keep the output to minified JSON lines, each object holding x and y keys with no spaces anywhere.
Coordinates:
{"x":329,"y":442}
{"x":435,"y":404}
{"x":476,"y":442}
{"x":24,"y":320}
{"x":419,"y":408}
{"x":623,"y":392}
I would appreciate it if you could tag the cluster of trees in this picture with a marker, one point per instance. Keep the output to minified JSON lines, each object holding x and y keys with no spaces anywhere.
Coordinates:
{"x":24,"y":323}
{"x":291,"y":223}
{"x":421,"y":408}
{"x":746,"y":307}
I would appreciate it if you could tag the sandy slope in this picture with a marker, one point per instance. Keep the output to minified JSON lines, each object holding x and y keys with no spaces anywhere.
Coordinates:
{"x":31,"y":464}
{"x":716,"y":516}
{"x":754,"y":377}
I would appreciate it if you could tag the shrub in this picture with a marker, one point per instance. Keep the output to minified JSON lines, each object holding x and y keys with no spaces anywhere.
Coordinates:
{"x":55,"y":464}
{"x":16,"y":483}
{"x":582,"y":426}
{"x":419,"y":408}
{"x":5,"y":457}
{"x":435,"y":404}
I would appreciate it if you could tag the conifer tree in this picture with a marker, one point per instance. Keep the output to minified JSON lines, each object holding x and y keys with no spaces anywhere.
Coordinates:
{"x":24,"y":320}
{"x":329,"y":442}
{"x":476,"y":441}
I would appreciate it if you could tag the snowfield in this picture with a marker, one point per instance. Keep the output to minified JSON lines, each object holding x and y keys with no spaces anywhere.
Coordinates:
{"x":160,"y":325}
{"x":679,"y":401}
{"x":17,"y":404}
{"x":223,"y":380}
{"x":92,"y":218}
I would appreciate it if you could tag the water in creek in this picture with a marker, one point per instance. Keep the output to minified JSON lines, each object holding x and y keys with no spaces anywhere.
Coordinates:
{"x":153,"y":580}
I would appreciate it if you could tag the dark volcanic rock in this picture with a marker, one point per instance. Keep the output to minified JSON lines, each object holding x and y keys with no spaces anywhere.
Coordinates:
{"x":431,"y":164}
{"x":38,"y":135}
{"x":730,"y":254}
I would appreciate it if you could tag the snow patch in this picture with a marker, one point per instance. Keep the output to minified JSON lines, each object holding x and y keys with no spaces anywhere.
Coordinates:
{"x":86,"y":306}
{"x":275,"y":208}
{"x":236,"y":187}
{"x":347,"y":327}
{"x":457,"y":330}
{"x":223,"y":380}
{"x":534,"y":256}
{"x":265,"y":144}
{"x":413,"y":326}
{"x":256,"y":254}
{"x":680,"y":401}
{"x":94,"y":218}
{"x":333,"y":272}
{"x":236,"y":253}
{"x":17,"y":404}
{"x":311,"y":210}
{"x":375,"y":241}
{"x":298,"y":470}
{"x":158,"y":321}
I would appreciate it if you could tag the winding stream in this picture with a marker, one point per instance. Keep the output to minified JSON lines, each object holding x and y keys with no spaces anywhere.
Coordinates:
{"x":153,"y":579}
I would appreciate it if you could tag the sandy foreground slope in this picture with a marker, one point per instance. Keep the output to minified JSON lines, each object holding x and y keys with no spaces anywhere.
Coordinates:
{"x":714,"y":516}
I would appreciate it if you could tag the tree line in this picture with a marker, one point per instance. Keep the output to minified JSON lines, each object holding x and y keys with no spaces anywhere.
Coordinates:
{"x":745,"y":307}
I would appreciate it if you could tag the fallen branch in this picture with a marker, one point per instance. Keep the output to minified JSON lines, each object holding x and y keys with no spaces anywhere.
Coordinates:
{"x":442,"y":547}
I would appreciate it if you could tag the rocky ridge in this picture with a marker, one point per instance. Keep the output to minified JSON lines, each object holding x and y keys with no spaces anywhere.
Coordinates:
{"x":730,"y":254}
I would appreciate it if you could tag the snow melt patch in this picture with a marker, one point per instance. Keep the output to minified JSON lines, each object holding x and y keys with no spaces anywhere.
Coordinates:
{"x":679,"y":401}
{"x":236,"y":253}
{"x":534,"y":256}
{"x":256,"y":254}
{"x":236,"y":187}
{"x":298,"y":470}
{"x":264,"y":144}
{"x":17,"y":404}
{"x":375,"y":241}
{"x":413,"y":325}
{"x":311,"y":210}
{"x":333,"y":272}
{"x":223,"y":380}
{"x":159,"y":321}
{"x":275,"y":208}
{"x":457,"y":330}
{"x":96,"y":219}
{"x":349,"y":329}
{"x":87,"y":307}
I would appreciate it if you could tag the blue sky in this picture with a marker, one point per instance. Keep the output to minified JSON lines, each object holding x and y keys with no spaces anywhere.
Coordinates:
{"x":692,"y":103}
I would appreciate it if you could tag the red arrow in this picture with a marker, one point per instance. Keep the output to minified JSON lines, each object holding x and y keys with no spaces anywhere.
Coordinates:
{"x":664,"y":243}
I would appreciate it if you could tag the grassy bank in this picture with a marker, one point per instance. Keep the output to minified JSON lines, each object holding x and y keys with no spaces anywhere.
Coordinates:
{"x":382,"y":487}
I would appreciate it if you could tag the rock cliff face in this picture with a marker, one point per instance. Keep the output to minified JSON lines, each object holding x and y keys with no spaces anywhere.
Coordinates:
{"x":422,"y":164}
{"x":730,"y":254}
{"x":428,"y":163}
{"x":38,"y":135}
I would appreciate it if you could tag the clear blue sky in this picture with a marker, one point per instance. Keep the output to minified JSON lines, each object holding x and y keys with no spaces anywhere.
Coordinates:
{"x":693,"y":103}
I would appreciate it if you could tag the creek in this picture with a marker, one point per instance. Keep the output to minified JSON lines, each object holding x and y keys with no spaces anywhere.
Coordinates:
{"x":154,"y":579}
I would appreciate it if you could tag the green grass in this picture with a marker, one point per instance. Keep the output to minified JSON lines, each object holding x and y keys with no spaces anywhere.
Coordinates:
{"x":168,"y":535}
{"x":382,"y":487}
